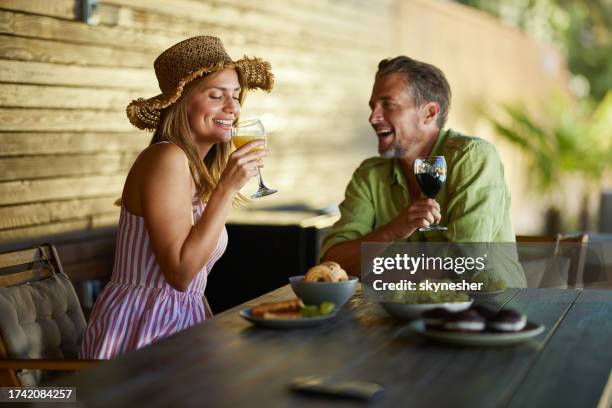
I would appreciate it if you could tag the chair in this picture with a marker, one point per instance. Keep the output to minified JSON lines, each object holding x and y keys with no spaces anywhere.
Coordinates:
{"x":569,"y":248}
{"x":41,"y":321}
{"x":207,"y":309}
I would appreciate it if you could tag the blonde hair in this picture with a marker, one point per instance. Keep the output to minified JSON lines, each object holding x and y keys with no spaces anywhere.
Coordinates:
{"x":174,"y":127}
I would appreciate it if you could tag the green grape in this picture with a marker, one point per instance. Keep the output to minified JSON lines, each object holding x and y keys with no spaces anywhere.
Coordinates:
{"x":497,"y":284}
{"x":489,"y":284}
{"x":480,"y":277}
{"x":399,"y":296}
{"x":405,"y":296}
{"x":326,"y":308}
{"x":309,"y":311}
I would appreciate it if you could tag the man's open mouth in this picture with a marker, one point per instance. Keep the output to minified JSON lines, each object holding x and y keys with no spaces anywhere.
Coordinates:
{"x":384,"y":133}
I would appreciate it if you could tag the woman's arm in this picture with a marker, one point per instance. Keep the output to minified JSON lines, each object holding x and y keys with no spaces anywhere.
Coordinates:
{"x":182,"y":249}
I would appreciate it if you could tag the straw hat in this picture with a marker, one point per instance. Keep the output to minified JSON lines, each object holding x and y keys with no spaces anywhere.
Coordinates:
{"x":186,"y":61}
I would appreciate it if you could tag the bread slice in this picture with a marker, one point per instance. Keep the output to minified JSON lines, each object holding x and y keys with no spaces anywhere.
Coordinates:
{"x":284,"y":306}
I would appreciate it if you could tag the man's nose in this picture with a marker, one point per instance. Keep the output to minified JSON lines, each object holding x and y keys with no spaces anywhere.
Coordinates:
{"x":375,"y":116}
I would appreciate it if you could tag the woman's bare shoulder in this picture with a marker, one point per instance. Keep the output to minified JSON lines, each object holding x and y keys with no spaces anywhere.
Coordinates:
{"x":158,"y":165}
{"x":165,"y":157}
{"x":164,"y":151}
{"x":158,"y":168}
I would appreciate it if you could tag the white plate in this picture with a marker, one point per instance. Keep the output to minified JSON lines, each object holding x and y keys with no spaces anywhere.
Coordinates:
{"x":478,"y":339}
{"x":411,"y":311}
{"x":286,"y":323}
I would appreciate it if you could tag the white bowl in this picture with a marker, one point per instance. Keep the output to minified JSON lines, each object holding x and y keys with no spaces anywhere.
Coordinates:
{"x":411,"y":311}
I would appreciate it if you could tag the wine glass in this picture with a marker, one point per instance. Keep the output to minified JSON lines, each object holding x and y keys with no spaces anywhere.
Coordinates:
{"x":245,"y":132}
{"x":430,"y":173}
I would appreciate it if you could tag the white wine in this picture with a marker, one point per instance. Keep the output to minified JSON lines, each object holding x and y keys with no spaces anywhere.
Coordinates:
{"x":240,"y":141}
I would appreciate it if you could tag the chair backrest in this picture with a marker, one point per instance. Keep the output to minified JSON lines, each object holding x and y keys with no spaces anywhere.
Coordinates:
{"x":40,"y":314}
{"x":572,"y":248}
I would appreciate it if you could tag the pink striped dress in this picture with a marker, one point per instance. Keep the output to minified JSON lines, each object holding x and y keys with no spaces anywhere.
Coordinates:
{"x":138,"y":306}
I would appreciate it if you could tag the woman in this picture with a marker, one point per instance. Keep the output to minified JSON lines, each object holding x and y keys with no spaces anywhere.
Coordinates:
{"x":168,"y":239}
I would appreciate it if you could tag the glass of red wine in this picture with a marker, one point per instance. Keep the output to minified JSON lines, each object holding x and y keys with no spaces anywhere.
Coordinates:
{"x":430,"y":173}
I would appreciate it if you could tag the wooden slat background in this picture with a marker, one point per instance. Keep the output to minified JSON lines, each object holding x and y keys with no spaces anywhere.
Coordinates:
{"x":66,"y":145}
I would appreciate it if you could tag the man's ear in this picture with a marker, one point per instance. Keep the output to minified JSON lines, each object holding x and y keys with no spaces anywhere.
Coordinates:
{"x":430,"y":112}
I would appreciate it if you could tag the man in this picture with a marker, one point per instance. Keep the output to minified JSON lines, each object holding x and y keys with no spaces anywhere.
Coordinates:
{"x":410,"y":102}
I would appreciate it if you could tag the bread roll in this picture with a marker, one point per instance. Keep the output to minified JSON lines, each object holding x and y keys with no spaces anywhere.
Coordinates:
{"x":326,"y":272}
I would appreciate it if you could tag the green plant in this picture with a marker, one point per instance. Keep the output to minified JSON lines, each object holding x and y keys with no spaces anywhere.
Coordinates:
{"x":580,"y":29}
{"x":565,"y":138}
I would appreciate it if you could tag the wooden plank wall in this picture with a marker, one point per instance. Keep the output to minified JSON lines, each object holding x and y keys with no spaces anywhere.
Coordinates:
{"x":66,"y":145}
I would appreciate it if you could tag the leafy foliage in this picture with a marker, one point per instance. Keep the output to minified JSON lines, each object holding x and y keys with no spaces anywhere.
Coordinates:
{"x":581,"y":28}
{"x":569,"y":138}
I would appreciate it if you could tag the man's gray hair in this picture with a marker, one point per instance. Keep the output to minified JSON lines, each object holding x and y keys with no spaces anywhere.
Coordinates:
{"x":426,"y":83}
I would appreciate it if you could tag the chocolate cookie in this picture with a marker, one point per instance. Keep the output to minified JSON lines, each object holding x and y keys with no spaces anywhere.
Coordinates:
{"x":435,"y":318}
{"x":507,"y":320}
{"x":484,"y":311}
{"x":467,"y":321}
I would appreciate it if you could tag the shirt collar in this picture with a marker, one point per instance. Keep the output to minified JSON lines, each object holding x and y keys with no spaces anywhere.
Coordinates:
{"x":437,"y":148}
{"x":397,"y":173}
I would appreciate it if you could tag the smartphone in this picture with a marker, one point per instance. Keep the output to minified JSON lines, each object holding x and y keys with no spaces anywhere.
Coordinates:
{"x":362,"y":390}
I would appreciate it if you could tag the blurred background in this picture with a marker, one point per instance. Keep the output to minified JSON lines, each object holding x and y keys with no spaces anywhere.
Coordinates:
{"x":531,"y":76}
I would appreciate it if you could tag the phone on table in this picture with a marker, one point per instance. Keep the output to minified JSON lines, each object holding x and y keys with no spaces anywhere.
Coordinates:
{"x":362,"y":390}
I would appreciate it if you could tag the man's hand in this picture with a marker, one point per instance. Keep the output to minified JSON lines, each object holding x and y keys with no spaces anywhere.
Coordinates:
{"x":421,"y":213}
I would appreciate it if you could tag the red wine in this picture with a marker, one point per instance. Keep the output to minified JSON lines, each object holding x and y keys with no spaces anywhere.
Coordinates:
{"x":430,"y":183}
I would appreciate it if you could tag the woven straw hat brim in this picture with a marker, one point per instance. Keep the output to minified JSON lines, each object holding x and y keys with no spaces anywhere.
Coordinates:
{"x":255,"y":73}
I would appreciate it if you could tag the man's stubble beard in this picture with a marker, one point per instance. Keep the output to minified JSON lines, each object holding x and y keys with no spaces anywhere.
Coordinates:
{"x":391,"y":153}
{"x":397,"y":151}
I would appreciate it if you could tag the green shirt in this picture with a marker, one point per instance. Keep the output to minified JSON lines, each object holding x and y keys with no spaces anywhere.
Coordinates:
{"x":474,"y":201}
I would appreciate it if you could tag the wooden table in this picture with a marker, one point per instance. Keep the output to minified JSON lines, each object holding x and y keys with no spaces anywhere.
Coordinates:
{"x":226,"y":362}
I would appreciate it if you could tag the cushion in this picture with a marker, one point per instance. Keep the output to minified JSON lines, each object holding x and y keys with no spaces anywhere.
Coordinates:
{"x":41,"y":319}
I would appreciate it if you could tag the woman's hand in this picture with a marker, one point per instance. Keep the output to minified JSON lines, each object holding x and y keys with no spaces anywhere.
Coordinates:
{"x":242,"y":165}
{"x":421,"y":213}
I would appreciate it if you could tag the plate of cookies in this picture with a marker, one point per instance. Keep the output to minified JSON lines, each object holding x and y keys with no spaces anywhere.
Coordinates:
{"x":287,"y":314}
{"x":476,"y":326}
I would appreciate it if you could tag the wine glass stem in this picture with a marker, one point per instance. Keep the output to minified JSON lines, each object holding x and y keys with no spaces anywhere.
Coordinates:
{"x":261,"y":183}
